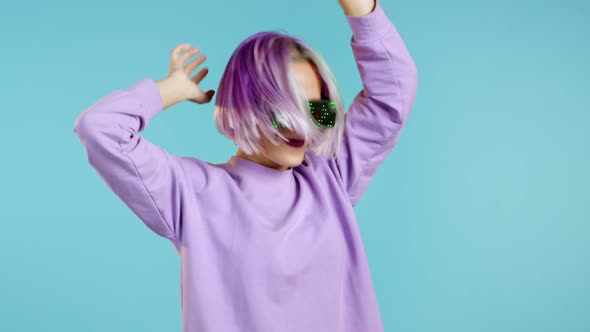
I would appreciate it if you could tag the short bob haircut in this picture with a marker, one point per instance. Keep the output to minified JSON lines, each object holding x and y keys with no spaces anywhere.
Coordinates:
{"x":258,"y":83}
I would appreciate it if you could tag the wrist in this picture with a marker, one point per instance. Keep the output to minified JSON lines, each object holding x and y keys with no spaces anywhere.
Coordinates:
{"x":357,"y":8}
{"x":169,"y":94}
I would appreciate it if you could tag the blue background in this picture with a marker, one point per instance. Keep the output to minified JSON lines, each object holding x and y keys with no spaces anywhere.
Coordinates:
{"x":477,"y":221}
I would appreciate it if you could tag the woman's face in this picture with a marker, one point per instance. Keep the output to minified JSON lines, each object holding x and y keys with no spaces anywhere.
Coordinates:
{"x":284,"y":155}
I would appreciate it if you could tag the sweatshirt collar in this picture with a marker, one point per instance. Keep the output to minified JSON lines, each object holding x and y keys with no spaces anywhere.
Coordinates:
{"x":255,"y":170}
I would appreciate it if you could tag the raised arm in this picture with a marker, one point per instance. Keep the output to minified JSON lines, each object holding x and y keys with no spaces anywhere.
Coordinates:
{"x":379,"y":111}
{"x":153,"y":183}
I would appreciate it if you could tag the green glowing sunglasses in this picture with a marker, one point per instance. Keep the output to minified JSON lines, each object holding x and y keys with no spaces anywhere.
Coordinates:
{"x":323,"y":112}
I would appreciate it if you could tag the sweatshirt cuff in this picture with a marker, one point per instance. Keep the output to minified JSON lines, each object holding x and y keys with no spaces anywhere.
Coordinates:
{"x":148,"y":95}
{"x":371,"y":26}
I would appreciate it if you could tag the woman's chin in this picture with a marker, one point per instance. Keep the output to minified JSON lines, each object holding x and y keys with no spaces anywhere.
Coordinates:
{"x":291,"y":160}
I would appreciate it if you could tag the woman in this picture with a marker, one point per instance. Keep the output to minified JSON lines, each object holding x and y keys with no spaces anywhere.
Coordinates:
{"x":268,"y":240}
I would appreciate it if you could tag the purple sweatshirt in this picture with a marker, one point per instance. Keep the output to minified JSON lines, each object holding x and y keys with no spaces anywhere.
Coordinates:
{"x":261,"y":249}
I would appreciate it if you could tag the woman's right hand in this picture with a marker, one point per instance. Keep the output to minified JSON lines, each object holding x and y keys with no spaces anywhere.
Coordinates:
{"x":179,"y":84}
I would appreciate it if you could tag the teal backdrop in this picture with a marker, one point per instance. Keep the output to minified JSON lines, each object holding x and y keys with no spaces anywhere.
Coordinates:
{"x":477,"y":221}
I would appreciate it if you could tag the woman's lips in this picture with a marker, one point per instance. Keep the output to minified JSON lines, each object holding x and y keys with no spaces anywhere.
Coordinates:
{"x":296,"y":143}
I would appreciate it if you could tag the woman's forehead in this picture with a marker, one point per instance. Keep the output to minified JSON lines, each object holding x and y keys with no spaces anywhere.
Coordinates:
{"x":308,"y":78}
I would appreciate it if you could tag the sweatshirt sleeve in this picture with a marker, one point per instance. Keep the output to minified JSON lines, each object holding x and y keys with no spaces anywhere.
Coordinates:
{"x":150,"y":181}
{"x":379,"y":111}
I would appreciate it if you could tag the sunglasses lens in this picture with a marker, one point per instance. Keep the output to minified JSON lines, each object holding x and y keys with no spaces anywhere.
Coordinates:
{"x":275,"y":123}
{"x":323,"y":112}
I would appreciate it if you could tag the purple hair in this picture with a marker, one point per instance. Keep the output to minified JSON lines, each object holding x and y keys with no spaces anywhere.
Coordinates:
{"x":258,"y":83}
